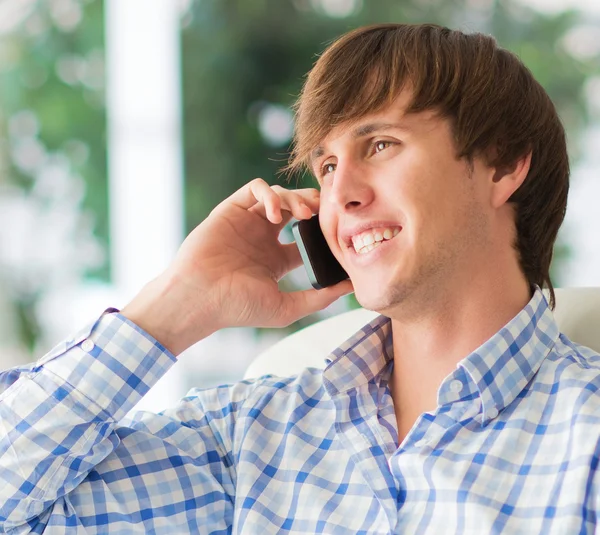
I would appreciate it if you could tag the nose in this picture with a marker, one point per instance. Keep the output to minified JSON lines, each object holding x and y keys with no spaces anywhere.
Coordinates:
{"x":350,"y":189}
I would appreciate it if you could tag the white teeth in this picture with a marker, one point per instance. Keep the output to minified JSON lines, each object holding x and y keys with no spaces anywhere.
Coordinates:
{"x":368,"y":248}
{"x":367,"y":242}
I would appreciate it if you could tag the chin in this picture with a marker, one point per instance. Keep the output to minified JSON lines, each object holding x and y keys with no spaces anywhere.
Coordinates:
{"x":379,"y":296}
{"x":377,"y":300}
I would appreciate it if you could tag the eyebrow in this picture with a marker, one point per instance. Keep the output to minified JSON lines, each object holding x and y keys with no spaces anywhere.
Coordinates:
{"x":361,"y":131}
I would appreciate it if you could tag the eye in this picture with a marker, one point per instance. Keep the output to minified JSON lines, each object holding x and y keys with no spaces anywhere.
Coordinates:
{"x":381,"y":145}
{"x":327,"y":168}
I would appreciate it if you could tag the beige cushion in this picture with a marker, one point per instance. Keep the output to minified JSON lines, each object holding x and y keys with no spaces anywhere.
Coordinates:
{"x":577,"y":314}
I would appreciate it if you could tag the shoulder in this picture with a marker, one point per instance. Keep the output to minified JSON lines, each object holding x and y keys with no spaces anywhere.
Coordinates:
{"x":262,"y":390}
{"x":572,"y":369}
{"x":575,"y":356}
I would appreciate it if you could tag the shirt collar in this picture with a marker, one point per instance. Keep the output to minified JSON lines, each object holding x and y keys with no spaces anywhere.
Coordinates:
{"x":361,"y":358}
{"x":502,"y":366}
{"x":499,"y":369}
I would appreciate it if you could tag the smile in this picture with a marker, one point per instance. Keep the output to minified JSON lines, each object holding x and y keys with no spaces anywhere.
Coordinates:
{"x":369,"y":240}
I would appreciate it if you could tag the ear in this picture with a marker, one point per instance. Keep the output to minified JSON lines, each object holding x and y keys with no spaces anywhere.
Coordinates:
{"x":506,"y":180}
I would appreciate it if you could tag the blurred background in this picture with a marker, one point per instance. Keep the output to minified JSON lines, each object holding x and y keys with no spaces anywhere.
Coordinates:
{"x":124,"y":122}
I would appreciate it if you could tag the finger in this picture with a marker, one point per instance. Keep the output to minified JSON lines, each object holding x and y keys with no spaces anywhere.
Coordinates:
{"x":303,"y":203}
{"x":296,"y":200}
{"x":312,"y":197}
{"x":258,"y":191}
{"x":291,"y":206}
{"x":286,"y":216}
{"x":299,"y":304}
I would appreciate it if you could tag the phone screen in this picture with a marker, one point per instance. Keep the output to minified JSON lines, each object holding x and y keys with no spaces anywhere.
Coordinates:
{"x":321,"y":266}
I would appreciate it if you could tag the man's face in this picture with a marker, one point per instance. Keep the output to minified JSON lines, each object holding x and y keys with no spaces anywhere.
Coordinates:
{"x":395,"y":179}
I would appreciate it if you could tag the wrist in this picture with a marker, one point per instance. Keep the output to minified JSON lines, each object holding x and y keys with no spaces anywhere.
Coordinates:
{"x":170,"y":313}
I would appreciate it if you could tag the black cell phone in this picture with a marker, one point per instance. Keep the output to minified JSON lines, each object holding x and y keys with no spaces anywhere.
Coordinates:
{"x":320,"y":264}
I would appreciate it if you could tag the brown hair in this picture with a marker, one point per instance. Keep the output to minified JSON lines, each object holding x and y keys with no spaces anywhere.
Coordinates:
{"x":496,"y":108}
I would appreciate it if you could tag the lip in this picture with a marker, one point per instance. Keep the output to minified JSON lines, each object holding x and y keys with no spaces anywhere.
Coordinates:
{"x":346,"y":234}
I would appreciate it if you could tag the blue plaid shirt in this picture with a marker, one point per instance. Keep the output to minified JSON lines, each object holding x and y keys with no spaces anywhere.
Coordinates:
{"x":511,"y":448}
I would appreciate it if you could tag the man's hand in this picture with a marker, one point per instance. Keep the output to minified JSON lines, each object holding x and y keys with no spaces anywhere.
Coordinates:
{"x":226,"y":271}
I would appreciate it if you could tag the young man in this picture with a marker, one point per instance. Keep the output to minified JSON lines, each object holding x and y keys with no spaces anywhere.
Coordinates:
{"x":443,"y":181}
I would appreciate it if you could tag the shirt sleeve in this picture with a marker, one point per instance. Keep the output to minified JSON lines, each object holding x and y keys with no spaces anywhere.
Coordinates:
{"x":69,"y":466}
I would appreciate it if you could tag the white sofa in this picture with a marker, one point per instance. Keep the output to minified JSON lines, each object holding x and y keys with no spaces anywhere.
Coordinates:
{"x":577,"y":313}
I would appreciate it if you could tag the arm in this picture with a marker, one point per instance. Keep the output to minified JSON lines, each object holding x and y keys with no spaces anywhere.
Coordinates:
{"x":60,"y":446}
{"x":58,"y":419}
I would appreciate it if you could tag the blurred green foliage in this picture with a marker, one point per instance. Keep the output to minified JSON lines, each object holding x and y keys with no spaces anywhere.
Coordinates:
{"x":239,"y":58}
{"x":52,"y":109}
{"x":52,"y":64}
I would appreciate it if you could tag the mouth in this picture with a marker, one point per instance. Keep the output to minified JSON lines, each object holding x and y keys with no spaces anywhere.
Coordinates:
{"x":364,"y":242}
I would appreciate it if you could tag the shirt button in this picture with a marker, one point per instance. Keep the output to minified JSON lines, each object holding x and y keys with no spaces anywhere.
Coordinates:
{"x":87,"y":345}
{"x":456,"y":386}
{"x":493,"y":412}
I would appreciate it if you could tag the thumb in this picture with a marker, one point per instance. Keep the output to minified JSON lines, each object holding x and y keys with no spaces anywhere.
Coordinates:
{"x":304,"y":302}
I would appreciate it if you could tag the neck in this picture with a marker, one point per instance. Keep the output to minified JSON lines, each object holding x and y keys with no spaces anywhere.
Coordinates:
{"x":448,"y":326}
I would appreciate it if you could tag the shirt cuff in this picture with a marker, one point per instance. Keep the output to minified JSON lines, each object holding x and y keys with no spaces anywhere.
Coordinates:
{"x":112,"y":362}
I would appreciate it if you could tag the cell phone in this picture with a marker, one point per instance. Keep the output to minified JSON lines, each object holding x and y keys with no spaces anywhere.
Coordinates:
{"x":321,"y":266}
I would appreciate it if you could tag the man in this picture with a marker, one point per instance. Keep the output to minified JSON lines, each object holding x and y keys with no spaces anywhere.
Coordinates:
{"x":443,"y":181}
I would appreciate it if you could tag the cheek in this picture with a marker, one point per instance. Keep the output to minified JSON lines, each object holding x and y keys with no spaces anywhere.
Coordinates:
{"x":431,"y":215}
{"x":328,"y":226}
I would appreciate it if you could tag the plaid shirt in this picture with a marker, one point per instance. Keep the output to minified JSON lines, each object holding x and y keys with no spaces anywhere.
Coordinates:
{"x":511,"y":448}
